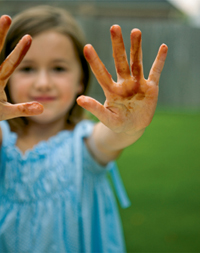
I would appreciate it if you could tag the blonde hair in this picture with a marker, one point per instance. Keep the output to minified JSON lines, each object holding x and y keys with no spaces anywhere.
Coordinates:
{"x":37,"y":20}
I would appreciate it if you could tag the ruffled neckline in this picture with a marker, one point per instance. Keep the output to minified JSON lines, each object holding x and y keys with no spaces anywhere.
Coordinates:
{"x":83,"y":128}
{"x":41,"y":148}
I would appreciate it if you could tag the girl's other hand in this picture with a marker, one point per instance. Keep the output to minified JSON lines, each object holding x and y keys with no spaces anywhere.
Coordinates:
{"x":7,"y":110}
{"x":131,"y":101}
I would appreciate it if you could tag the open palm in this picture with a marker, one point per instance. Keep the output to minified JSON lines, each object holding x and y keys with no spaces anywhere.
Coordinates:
{"x":7,"y":110}
{"x":131,"y":101}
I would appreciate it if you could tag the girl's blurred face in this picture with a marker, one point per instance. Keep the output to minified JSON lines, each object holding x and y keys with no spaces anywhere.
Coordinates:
{"x":50,"y":73}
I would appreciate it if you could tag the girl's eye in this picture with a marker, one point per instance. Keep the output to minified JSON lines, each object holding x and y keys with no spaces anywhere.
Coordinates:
{"x":59,"y":69}
{"x":27,"y":69}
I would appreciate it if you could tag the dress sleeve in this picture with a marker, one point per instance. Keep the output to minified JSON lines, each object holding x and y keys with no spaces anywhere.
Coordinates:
{"x":5,"y":131}
{"x":5,"y":135}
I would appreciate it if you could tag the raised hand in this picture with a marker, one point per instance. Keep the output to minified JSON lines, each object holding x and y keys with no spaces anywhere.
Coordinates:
{"x":131,"y":101}
{"x":8,"y":110}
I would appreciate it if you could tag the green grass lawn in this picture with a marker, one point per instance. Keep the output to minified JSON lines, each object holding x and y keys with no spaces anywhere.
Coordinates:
{"x":161,"y":173}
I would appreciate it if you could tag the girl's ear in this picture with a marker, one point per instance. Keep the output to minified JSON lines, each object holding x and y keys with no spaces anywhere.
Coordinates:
{"x":80,"y":88}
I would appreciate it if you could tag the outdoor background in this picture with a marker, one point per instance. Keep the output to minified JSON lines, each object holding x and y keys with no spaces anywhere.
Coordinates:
{"x":161,"y":171}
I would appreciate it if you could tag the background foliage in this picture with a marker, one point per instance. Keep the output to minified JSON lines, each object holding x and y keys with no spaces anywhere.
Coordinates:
{"x":161,"y":172}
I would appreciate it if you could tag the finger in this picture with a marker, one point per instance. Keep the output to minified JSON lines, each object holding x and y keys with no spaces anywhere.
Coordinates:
{"x":119,"y":52}
{"x":14,"y":59}
{"x":158,"y":64}
{"x":5,"y":22}
{"x":93,"y":106}
{"x":136,"y":54}
{"x":21,"y":110}
{"x":98,"y":68}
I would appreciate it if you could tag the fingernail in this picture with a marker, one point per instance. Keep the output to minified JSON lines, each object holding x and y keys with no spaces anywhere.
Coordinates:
{"x":5,"y":20}
{"x":165,"y":48}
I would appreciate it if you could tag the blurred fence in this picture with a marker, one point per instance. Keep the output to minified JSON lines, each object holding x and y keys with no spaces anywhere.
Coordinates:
{"x":180,"y":80}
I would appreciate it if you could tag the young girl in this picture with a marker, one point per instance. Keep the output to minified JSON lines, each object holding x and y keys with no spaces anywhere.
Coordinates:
{"x":54,"y":193}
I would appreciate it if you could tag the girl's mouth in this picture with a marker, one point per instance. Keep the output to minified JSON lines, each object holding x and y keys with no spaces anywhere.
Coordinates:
{"x":44,"y":98}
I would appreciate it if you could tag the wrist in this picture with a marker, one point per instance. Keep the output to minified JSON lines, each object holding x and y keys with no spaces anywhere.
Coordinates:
{"x":135,"y":132}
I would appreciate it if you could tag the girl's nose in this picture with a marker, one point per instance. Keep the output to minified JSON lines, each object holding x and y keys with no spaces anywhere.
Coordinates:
{"x":43,"y":81}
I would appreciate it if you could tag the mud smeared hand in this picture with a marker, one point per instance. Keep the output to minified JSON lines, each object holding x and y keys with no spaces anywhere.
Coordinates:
{"x":7,"y":110}
{"x":131,"y":101}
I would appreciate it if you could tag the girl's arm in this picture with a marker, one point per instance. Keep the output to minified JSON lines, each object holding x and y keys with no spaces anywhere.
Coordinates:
{"x":130,"y":102}
{"x":106,"y":145}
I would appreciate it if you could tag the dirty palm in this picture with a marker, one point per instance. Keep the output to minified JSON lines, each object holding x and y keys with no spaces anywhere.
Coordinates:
{"x":131,"y":101}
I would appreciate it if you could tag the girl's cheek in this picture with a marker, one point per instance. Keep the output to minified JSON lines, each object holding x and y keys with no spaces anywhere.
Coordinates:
{"x":18,"y":93}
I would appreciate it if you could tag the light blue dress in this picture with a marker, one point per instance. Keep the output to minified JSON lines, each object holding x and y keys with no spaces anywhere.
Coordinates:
{"x":57,"y":198}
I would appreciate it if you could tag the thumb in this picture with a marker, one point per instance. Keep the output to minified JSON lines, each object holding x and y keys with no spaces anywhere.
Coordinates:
{"x":93,"y":106}
{"x":21,"y":110}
